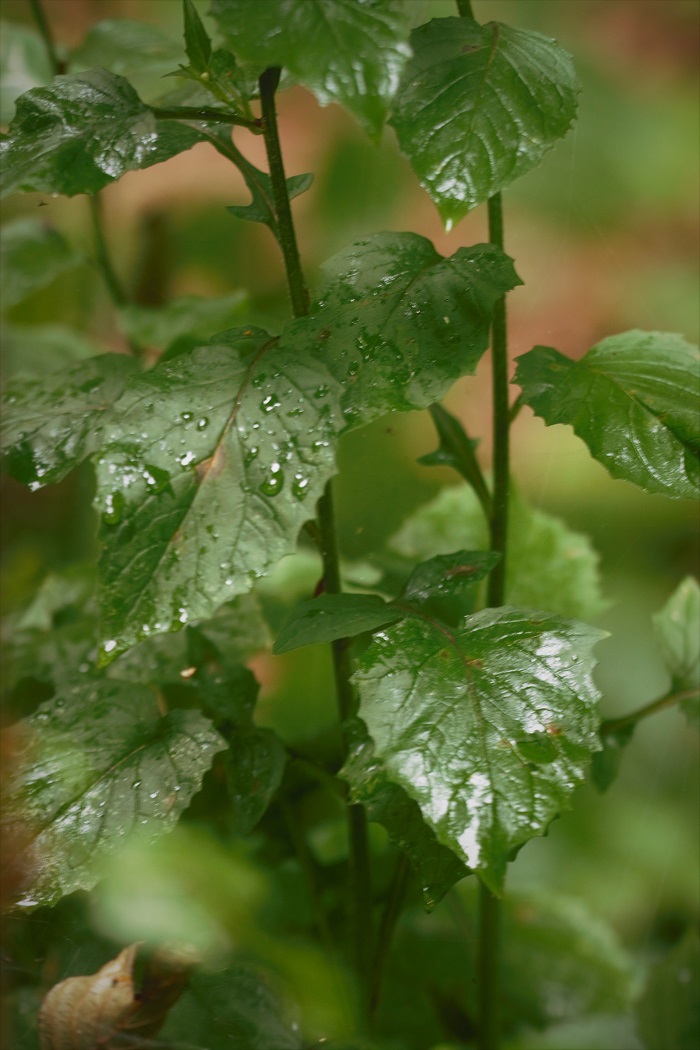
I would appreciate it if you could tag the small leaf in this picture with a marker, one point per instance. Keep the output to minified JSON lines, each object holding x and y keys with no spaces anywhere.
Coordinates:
{"x":197,"y":42}
{"x":677,"y":628}
{"x":343,"y":50}
{"x":332,"y":616}
{"x":396,"y":323}
{"x":24,"y":64}
{"x":448,"y":574}
{"x":82,"y":132}
{"x":51,"y":423}
{"x":140,"y":52}
{"x":488,"y":728}
{"x":35,"y":349}
{"x":99,"y":761}
{"x":191,"y":316}
{"x":478,"y":106}
{"x":456,"y":450}
{"x":668,"y":1014}
{"x":436,"y":866}
{"x":633,"y":398}
{"x":606,"y":763}
{"x":32,"y":255}
{"x":212,"y":465}
{"x":549,"y":565}
{"x":263,"y":207}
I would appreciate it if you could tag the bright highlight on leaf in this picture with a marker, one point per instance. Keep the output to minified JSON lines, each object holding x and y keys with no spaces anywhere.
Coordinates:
{"x":635,"y":401}
{"x":488,"y":728}
{"x":478,"y":106}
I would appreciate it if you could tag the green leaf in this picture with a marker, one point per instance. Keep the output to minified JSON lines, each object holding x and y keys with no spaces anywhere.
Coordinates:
{"x":197,"y":42}
{"x":190,"y":316}
{"x":332,"y":616}
{"x":24,"y":64}
{"x":448,"y":574}
{"x":99,"y":762}
{"x":436,"y":866}
{"x":209,"y":471}
{"x":140,"y":52}
{"x":82,"y":132}
{"x":347,"y":51}
{"x":488,"y":728}
{"x":32,"y":255}
{"x":396,"y":323}
{"x":51,"y":423}
{"x":549,"y":566}
{"x":456,"y":450}
{"x":668,"y":1014}
{"x":633,"y":398}
{"x":478,"y":106}
{"x":262,"y":208}
{"x":677,"y":628}
{"x":40,"y":348}
{"x":606,"y":763}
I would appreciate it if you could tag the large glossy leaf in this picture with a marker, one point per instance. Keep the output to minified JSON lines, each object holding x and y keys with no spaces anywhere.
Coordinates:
{"x":347,"y":51}
{"x":51,"y":423}
{"x":488,"y":727}
{"x":633,"y":398}
{"x":677,"y":628}
{"x":478,"y":106}
{"x":32,"y":255}
{"x":436,"y":866}
{"x":211,"y":467}
{"x":549,"y":566}
{"x":396,"y":323}
{"x":99,"y":761}
{"x":82,"y":132}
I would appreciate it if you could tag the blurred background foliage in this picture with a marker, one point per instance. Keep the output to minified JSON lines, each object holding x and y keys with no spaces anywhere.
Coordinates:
{"x":604,"y":235}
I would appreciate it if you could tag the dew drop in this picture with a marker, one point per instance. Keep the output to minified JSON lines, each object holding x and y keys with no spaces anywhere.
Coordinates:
{"x":202,"y":423}
{"x":321,"y":391}
{"x":187,"y":417}
{"x":273,"y":484}
{"x":114,"y":508}
{"x":251,"y":454}
{"x":269,"y":403}
{"x":300,"y":487}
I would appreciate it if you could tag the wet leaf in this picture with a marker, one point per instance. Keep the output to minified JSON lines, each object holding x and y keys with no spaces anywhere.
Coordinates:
{"x":489,"y":727}
{"x":50,"y":424}
{"x":633,"y":398}
{"x":332,"y":616}
{"x":396,"y":323}
{"x":668,"y":1013}
{"x":436,"y":866}
{"x":343,"y":50}
{"x":100,"y":761}
{"x":478,"y":106}
{"x":212,"y":466}
{"x":32,"y":255}
{"x":82,"y":132}
{"x":549,"y":565}
{"x":448,"y":574}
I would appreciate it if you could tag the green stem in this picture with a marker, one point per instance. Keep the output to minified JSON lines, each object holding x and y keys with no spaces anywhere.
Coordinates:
{"x":287,"y":236}
{"x":214,"y":116}
{"x":359,"y":869}
{"x":613,"y":725}
{"x":465,"y":9}
{"x":392,"y":910}
{"x":488,"y":969}
{"x":57,"y":64}
{"x":114,"y":286}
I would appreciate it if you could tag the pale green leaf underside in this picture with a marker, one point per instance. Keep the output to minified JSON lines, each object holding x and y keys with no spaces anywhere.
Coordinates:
{"x":478,"y":106}
{"x":32,"y":255}
{"x":396,"y":323}
{"x":634,"y":399}
{"x":346,"y":51}
{"x":488,"y":728}
{"x":549,"y":565}
{"x":99,"y":762}
{"x":332,"y":616}
{"x":82,"y":132}
{"x":211,"y":467}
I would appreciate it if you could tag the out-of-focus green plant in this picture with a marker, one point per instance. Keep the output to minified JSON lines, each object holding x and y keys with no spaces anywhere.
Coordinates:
{"x":276,"y":872}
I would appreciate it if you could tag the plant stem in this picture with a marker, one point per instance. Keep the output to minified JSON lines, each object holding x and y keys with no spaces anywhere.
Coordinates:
{"x":392,"y":910}
{"x":488,"y":969}
{"x":456,"y":441}
{"x":288,"y":242}
{"x":360,"y":908}
{"x":612,"y":725}
{"x":465,"y":9}
{"x":58,"y":66}
{"x":114,"y":286}
{"x":214,"y":116}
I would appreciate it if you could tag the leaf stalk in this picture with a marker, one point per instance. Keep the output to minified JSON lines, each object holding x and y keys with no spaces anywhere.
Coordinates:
{"x":613,"y":725}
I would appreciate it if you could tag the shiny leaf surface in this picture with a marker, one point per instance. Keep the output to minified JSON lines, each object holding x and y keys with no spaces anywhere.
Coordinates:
{"x":331,"y":616}
{"x":82,"y":132}
{"x":635,"y":401}
{"x":347,"y":51}
{"x":396,"y":323}
{"x":32,"y":255}
{"x":98,"y":762}
{"x":488,"y":728}
{"x":478,"y":106}
{"x":448,"y":574}
{"x":50,"y":424}
{"x":212,"y":465}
